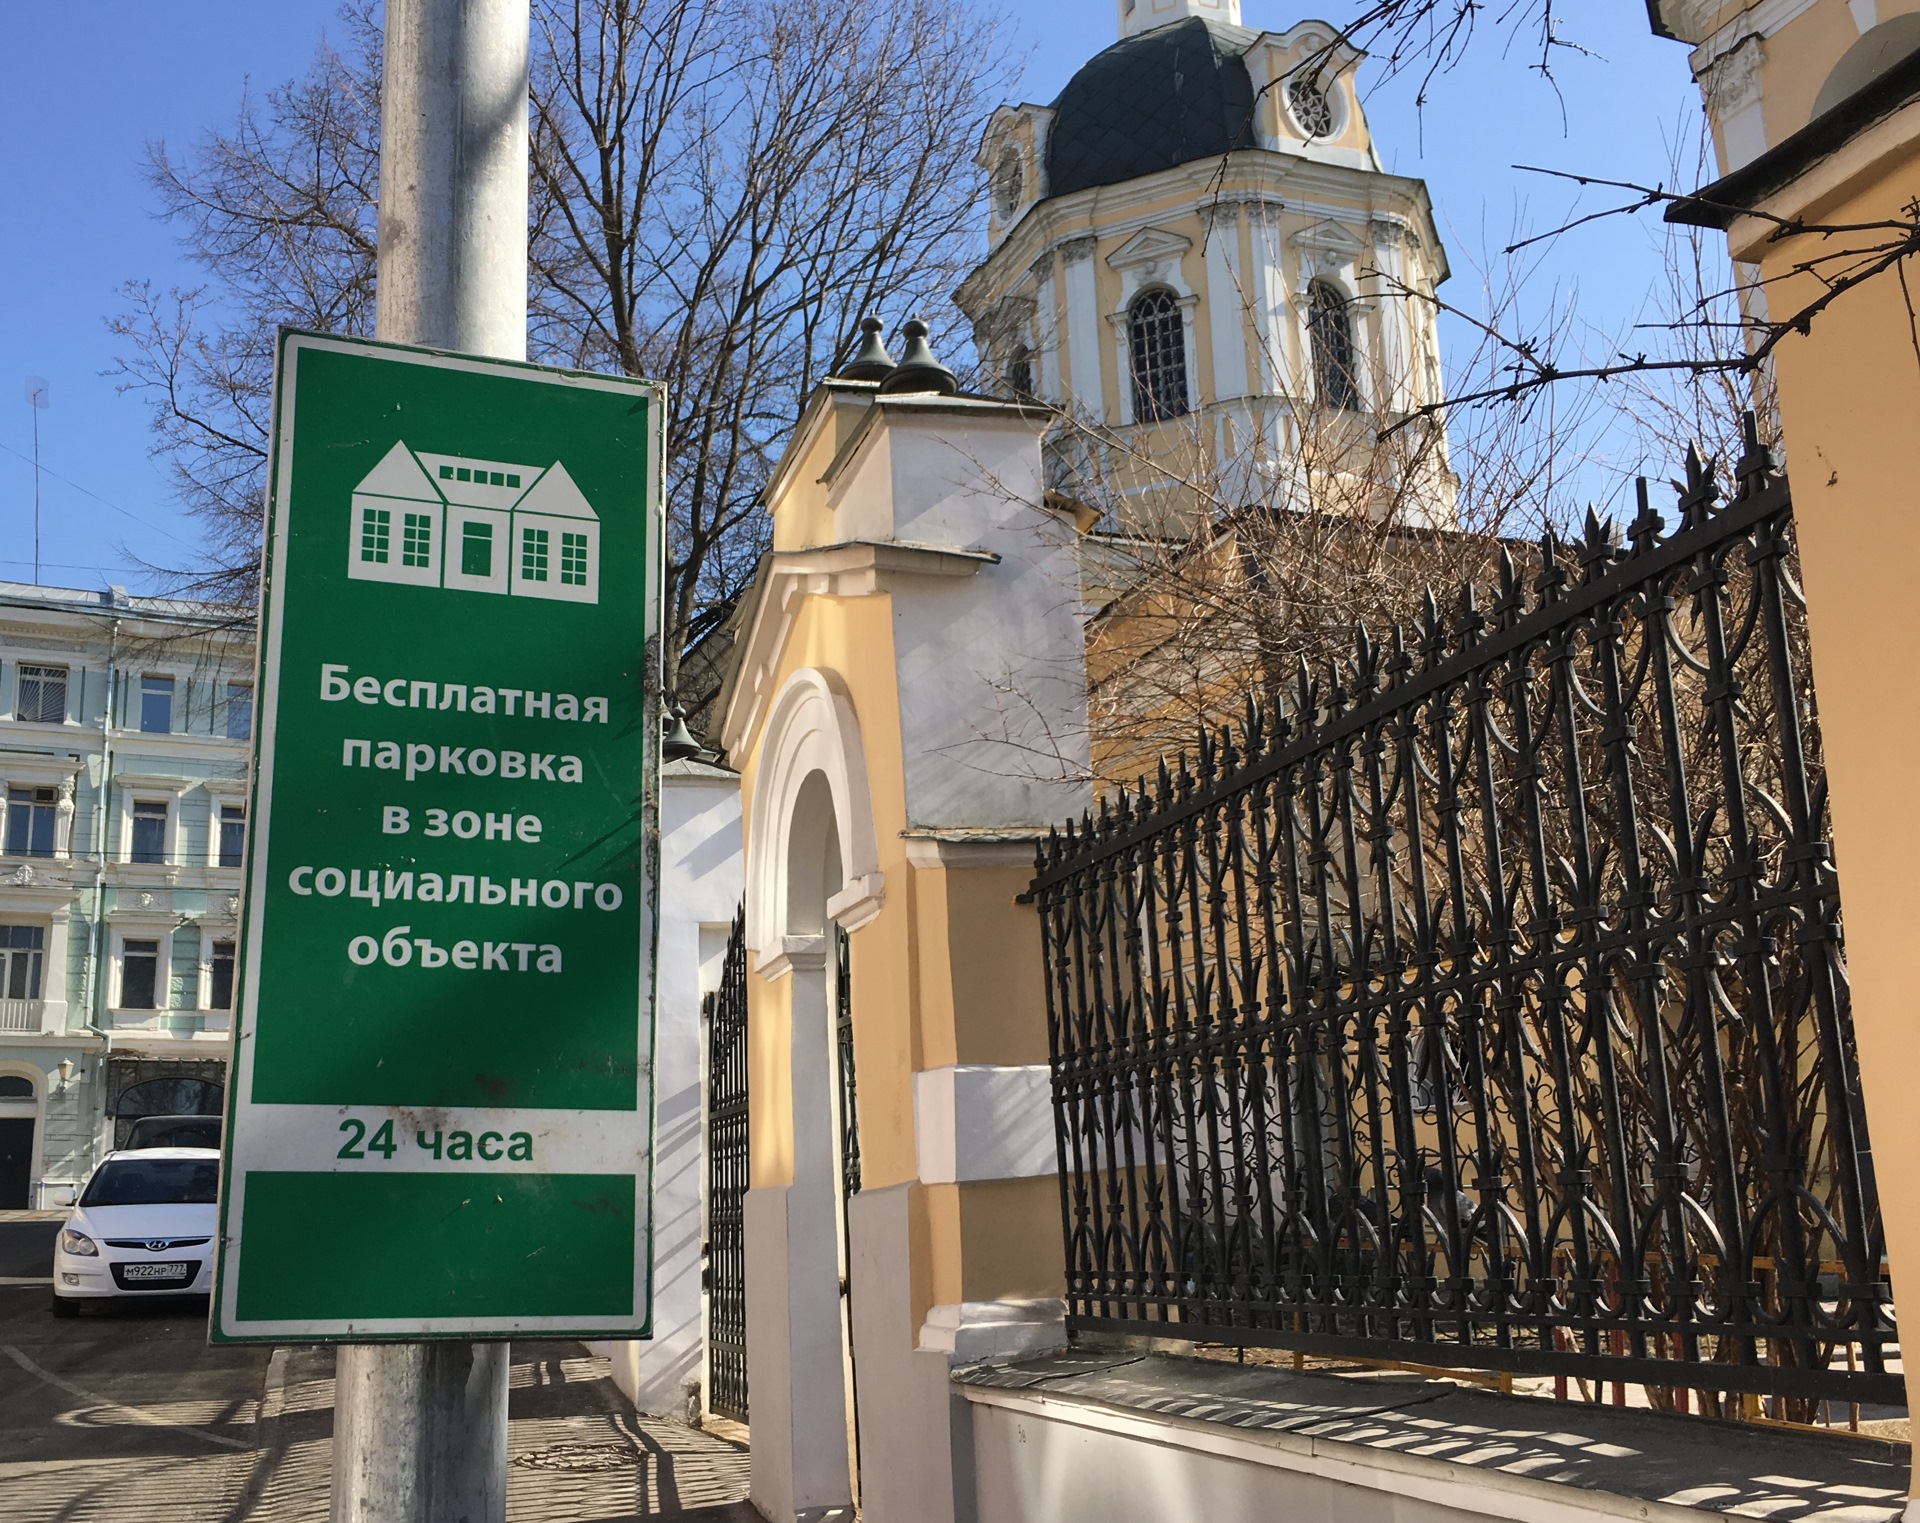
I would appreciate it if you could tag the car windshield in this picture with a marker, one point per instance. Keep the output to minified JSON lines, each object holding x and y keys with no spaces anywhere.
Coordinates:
{"x":154,"y":1182}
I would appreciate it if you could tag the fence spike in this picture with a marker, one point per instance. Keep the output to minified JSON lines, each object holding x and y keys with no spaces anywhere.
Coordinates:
{"x":1552,"y":580}
{"x":1366,"y":660}
{"x":1471,"y":623}
{"x":1700,"y":491}
{"x":1755,"y":470}
{"x":1601,"y":546}
{"x":1645,"y":529}
{"x":1511,"y":601}
{"x":1400,"y":663}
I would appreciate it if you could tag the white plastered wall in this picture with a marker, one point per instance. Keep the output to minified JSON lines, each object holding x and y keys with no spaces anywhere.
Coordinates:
{"x":701,"y":875}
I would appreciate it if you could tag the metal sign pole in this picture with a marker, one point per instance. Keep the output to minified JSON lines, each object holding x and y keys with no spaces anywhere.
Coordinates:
{"x":420,"y":1429}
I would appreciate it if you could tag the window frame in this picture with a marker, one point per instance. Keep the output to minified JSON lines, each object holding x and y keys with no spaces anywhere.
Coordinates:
{"x":173,"y":696}
{"x":228,"y":709}
{"x":134,"y":820}
{"x":217,"y":830}
{"x":52,"y":807}
{"x":37,"y":959}
{"x":1164,"y":356}
{"x":1336,"y":377}
{"x":20,"y":679}
{"x":210,"y":943}
{"x":162,"y":966}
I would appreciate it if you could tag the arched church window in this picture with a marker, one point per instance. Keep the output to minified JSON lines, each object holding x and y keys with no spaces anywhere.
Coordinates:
{"x":1158,"y":337}
{"x":1020,"y":371}
{"x":1007,"y":185}
{"x":1330,"y":326}
{"x":1312,"y":111}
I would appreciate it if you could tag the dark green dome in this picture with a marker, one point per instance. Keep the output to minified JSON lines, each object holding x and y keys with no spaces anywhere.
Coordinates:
{"x":1166,"y":97}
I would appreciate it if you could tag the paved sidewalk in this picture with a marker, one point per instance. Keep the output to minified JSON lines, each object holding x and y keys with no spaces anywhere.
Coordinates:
{"x":262,"y":1454}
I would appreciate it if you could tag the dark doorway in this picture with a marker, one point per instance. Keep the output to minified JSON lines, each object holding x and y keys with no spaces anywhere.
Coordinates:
{"x":16,"y":1163}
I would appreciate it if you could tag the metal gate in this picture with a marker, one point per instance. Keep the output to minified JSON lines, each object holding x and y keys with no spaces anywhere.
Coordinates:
{"x":849,"y":1122}
{"x":725,"y":1013}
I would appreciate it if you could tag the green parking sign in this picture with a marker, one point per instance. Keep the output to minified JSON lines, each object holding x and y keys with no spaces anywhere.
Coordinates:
{"x":440,"y":1119}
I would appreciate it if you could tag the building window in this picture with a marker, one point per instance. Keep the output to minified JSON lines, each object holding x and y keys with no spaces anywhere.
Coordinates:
{"x":476,"y":549}
{"x":139,"y":974}
{"x":30,"y":816}
{"x":21,"y":948}
{"x":149,"y":831}
{"x":573,"y":560}
{"x":416,"y":539}
{"x":1158,"y":336}
{"x":220,"y":995}
{"x":1330,"y":326}
{"x":156,"y":705}
{"x":42,"y":697}
{"x":533,"y":555}
{"x":239,"y":711}
{"x":1312,"y":111}
{"x":233,"y":834}
{"x":1020,"y":372}
{"x":376,"y":535}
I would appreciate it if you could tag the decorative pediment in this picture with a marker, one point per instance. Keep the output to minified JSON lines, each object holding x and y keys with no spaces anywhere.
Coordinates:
{"x":1328,"y":251}
{"x":1329,"y":238}
{"x":1149,"y":246}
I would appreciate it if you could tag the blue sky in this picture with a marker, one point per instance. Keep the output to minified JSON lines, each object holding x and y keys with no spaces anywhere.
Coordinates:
{"x":92,"y":82}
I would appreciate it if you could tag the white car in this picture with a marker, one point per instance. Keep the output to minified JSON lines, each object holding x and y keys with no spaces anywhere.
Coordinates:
{"x":144,"y":1226}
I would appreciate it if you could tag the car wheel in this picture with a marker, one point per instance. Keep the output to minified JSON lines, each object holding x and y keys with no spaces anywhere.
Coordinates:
{"x":65,"y":1307}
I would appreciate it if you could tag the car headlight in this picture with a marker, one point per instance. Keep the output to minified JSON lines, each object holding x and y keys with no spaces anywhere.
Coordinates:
{"x":77,"y":1243}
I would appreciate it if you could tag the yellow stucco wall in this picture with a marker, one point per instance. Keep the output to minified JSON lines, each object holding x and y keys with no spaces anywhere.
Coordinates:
{"x":947,"y":972}
{"x":1850,"y":407}
{"x":852,"y":637}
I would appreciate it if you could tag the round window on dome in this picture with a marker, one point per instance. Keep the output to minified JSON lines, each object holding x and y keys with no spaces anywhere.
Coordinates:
{"x":1312,"y":111}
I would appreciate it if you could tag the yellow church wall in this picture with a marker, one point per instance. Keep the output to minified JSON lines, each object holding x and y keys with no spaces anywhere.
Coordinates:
{"x":1849,"y":394}
{"x":853,"y":638}
{"x":947,"y":972}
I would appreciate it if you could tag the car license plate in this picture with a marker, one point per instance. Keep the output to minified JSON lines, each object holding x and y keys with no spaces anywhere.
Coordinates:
{"x":169,"y":1271}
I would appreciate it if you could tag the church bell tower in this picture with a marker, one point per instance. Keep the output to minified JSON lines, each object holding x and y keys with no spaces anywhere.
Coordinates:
{"x":1194,"y":253}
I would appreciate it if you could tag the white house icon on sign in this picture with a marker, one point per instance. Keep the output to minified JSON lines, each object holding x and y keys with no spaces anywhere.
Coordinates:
{"x":475,"y":526}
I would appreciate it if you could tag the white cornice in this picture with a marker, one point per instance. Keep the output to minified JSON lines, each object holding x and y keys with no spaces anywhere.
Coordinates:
{"x":789,"y":953}
{"x":1262,"y":180}
{"x":155,"y":782}
{"x":860,"y":568}
{"x":1763,"y":20}
{"x":929,"y":848}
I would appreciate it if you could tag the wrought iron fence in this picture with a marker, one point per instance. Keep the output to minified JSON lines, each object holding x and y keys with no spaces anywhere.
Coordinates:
{"x":1481,"y":1003}
{"x":725,"y":1011}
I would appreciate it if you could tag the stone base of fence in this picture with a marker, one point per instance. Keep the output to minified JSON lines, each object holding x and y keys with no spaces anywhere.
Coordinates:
{"x":1118,"y":1436}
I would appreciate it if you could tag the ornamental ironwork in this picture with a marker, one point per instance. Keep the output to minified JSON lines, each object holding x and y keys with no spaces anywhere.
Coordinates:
{"x":1481,"y":1003}
{"x":725,"y":1012}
